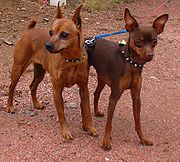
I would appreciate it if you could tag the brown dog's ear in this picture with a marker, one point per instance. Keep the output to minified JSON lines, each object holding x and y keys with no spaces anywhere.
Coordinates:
{"x":131,"y":23}
{"x":59,"y":14}
{"x":77,"y":18}
{"x":159,"y":23}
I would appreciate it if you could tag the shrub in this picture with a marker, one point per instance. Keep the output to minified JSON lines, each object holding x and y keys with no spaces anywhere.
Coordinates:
{"x":95,"y":4}
{"x":99,"y":4}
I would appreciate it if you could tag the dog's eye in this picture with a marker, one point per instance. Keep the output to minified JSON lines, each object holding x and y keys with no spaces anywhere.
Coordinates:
{"x":50,"y":33}
{"x":138,"y":43}
{"x":154,"y":43}
{"x":64,"y":35}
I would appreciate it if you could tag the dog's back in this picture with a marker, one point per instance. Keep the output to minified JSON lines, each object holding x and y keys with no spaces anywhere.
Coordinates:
{"x":101,"y":48}
{"x":31,"y":42}
{"x":104,"y":56}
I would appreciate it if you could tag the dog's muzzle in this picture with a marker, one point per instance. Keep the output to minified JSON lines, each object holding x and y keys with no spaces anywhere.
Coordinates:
{"x":149,"y":57}
{"x":49,"y":46}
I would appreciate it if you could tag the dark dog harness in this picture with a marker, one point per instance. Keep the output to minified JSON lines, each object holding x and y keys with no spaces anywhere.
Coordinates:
{"x":92,"y":42}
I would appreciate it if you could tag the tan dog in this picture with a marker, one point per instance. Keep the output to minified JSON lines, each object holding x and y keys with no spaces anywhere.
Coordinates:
{"x":66,"y":63}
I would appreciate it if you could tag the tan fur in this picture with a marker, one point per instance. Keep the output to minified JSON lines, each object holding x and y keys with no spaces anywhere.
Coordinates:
{"x":30,"y":48}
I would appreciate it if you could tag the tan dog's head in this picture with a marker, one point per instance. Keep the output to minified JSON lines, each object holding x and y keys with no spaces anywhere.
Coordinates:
{"x":66,"y":35}
{"x":143,"y":39}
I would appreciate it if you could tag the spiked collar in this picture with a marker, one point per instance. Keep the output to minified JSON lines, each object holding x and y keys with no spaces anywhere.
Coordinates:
{"x":72,"y":60}
{"x":133,"y":63}
{"x":75,"y":60}
{"x":129,"y":60}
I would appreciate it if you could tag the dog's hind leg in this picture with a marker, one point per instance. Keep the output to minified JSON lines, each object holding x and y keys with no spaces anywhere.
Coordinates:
{"x":39,"y":73}
{"x":100,"y":86}
{"x":16,"y":73}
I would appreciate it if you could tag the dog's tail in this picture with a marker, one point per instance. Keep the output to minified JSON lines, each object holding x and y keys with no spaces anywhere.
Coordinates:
{"x":32,"y":24}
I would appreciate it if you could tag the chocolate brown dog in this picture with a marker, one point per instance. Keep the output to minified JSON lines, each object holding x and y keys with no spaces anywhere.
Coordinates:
{"x":62,"y":54}
{"x":121,"y":68}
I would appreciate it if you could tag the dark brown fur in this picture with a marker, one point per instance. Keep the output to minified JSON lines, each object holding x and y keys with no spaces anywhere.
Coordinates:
{"x":30,"y":48}
{"x":112,"y":69}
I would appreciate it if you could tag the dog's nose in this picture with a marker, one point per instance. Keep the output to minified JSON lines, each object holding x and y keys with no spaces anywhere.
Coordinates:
{"x":150,"y":56}
{"x":48,"y":46}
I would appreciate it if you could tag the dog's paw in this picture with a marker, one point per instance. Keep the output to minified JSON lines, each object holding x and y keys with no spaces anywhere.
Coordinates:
{"x":99,"y":114}
{"x":92,"y":131}
{"x":39,"y":106}
{"x":10,"y":109}
{"x":106,"y":145}
{"x":67,"y":135}
{"x":146,"y":142}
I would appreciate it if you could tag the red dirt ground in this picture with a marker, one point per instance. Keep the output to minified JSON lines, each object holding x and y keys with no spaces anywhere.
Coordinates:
{"x":33,"y":135}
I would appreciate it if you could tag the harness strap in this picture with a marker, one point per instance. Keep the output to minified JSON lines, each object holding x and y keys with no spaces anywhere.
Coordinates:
{"x":114,"y":33}
{"x":92,"y":42}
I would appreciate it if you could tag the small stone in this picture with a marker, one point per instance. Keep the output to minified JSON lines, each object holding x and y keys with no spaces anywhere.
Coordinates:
{"x":30,"y":113}
{"x":8,"y":42}
{"x":23,"y":9}
{"x":71,"y":105}
{"x":154,"y":78}
{"x":106,"y":159}
{"x":46,"y":19}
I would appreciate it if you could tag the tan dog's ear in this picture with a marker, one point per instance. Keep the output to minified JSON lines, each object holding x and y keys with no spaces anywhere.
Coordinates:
{"x":77,"y":18}
{"x":131,"y":23}
{"x":159,"y":23}
{"x":59,"y":14}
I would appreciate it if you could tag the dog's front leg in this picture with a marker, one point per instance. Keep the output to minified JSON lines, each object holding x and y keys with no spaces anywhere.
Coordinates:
{"x":58,"y":100}
{"x":85,"y":110}
{"x":135,"y":92}
{"x":114,"y":97}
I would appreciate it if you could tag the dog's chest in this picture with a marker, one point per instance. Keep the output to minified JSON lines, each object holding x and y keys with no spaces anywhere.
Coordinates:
{"x":71,"y":76}
{"x":129,"y":80}
{"x":74,"y":75}
{"x":68,"y":73}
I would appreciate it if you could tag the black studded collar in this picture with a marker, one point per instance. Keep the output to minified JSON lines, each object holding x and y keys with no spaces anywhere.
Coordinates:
{"x":72,"y":60}
{"x":76,"y":60}
{"x":133,"y":63}
{"x":122,"y":44}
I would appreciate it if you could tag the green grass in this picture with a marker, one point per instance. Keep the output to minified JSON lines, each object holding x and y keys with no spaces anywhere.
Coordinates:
{"x":99,"y":4}
{"x":96,"y":4}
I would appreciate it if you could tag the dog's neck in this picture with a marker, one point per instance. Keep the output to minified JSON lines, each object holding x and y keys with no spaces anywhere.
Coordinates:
{"x":73,"y":56}
{"x":128,"y":56}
